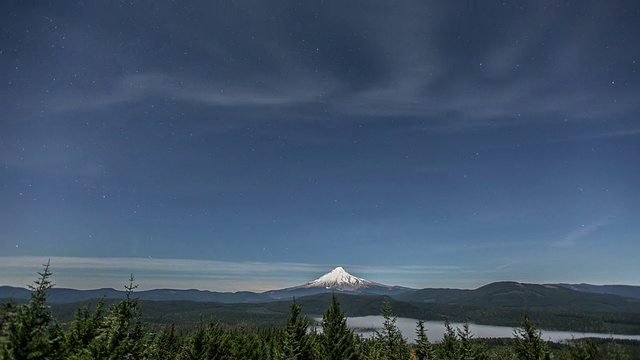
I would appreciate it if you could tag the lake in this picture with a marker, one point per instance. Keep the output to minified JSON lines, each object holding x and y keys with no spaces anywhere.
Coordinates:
{"x":435,"y":330}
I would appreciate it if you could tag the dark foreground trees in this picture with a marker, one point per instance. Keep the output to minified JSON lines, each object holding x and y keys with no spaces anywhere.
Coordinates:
{"x":338,"y":342}
{"x":423,"y":349}
{"x":298,"y":345}
{"x":529,"y":344}
{"x":29,"y":331}
{"x":392,"y":345}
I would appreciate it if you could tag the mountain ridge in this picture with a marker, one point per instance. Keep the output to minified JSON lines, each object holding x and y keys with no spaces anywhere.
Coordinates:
{"x":338,"y":280}
{"x":622,"y":290}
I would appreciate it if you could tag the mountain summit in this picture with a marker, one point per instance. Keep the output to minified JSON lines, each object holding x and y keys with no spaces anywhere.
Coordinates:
{"x":339,"y":279}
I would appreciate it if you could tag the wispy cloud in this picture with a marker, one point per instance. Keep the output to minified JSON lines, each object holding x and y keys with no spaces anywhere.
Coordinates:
{"x":403,"y":69}
{"x":571,"y":239}
{"x":293,"y":90}
{"x":90,"y":273}
{"x":610,"y":134}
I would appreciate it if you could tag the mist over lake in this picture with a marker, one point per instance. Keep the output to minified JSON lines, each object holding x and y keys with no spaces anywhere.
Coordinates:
{"x":365,"y":325}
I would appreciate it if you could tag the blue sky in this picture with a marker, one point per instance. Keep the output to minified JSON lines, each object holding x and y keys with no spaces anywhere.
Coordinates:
{"x":420,"y":144}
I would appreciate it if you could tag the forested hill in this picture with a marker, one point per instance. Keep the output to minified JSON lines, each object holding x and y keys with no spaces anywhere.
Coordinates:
{"x":500,"y":303}
{"x":65,"y":295}
{"x":513,"y":294}
{"x":494,"y":295}
{"x":622,"y":290}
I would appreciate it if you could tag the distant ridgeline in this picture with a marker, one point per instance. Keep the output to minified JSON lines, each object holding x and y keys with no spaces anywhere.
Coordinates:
{"x":509,"y":294}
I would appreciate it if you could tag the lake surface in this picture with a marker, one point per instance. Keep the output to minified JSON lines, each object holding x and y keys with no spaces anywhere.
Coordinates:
{"x":435,"y":330}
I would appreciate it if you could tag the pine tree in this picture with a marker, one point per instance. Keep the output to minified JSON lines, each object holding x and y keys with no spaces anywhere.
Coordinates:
{"x":297,"y":343}
{"x":394,"y":345}
{"x":216,"y":344}
{"x":448,"y":348}
{"x":338,"y":340}
{"x":121,"y":333}
{"x":195,"y":348}
{"x":84,"y":328}
{"x":584,"y":349}
{"x":529,"y":344}
{"x":372,"y":349}
{"x":423,"y":348}
{"x":28,"y":332}
{"x":458,"y":344}
{"x":467,"y":348}
{"x":615,"y":351}
{"x":165,"y":345}
{"x":170,"y":343}
{"x":246,"y":343}
{"x":7,"y":312}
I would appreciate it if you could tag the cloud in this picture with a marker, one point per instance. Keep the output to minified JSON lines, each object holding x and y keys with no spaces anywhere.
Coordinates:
{"x":292,"y":91}
{"x":356,"y":65}
{"x":503,"y":266}
{"x":93,"y":272}
{"x":610,"y":134}
{"x":585,"y":230}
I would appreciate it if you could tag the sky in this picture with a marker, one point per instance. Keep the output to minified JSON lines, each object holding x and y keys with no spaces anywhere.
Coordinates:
{"x":254,"y":145}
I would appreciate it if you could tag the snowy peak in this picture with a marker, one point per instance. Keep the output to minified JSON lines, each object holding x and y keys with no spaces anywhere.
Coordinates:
{"x":339,"y":279}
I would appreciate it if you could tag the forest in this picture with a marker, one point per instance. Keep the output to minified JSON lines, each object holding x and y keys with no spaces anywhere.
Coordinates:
{"x":116,"y":331}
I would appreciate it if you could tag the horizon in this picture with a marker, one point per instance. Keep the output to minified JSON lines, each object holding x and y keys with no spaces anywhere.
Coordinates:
{"x":226,"y":277}
{"x":422,"y":143}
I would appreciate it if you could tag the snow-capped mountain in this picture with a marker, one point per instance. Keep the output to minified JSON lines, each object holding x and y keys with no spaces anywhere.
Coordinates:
{"x":338,"y":280}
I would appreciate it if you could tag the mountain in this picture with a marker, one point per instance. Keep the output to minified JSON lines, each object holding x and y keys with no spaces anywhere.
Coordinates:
{"x":559,"y":306}
{"x":509,"y":294}
{"x":557,"y":297}
{"x":64,"y":295}
{"x":621,"y":290}
{"x":338,"y":280}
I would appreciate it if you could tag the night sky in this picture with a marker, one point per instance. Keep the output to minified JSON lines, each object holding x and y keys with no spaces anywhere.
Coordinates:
{"x":249,"y":145}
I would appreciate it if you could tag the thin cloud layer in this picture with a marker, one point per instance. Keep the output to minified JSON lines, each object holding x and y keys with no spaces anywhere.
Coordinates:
{"x":91,"y":273}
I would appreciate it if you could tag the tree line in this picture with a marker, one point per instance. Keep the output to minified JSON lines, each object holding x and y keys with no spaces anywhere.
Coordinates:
{"x":30,"y":331}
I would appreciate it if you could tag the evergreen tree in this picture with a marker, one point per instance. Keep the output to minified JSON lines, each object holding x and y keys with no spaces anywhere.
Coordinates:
{"x":584,"y":349}
{"x":28,"y":332}
{"x":338,"y":341}
{"x":7,"y":312}
{"x":423,"y":348}
{"x":615,"y":351}
{"x":297,"y":343}
{"x":170,"y":343}
{"x":84,"y":328}
{"x":216,"y":344}
{"x":272,"y":344}
{"x":372,"y":349}
{"x":394,"y":345}
{"x":246,"y":343}
{"x":458,"y":344}
{"x":529,"y":344}
{"x":121,"y":333}
{"x":208,"y":342}
{"x":468,"y":349}
{"x":195,"y":347}
{"x":164,"y":345}
{"x":448,"y":348}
